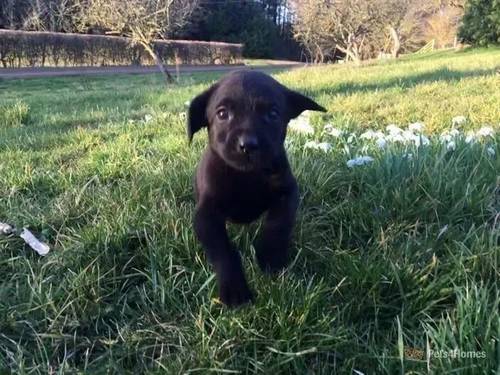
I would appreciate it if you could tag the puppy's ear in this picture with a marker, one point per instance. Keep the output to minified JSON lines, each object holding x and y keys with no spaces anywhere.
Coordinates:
{"x":197,"y":114}
{"x":298,"y":103}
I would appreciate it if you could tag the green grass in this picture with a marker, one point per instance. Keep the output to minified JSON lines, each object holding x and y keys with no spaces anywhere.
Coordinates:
{"x":391,"y":260}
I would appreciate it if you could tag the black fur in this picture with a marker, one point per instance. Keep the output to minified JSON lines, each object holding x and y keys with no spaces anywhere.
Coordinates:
{"x":244,"y":172}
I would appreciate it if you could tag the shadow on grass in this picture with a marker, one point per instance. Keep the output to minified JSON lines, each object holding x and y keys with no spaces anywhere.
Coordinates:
{"x":405,"y":82}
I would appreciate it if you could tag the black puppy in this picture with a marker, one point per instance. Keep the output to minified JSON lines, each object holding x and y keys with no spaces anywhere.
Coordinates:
{"x":245,"y":172}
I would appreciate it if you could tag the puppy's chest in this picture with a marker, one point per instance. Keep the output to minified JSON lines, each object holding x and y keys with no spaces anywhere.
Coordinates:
{"x":247,"y":199}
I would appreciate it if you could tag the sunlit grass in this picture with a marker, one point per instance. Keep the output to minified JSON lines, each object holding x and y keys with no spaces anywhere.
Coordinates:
{"x":401,"y":253}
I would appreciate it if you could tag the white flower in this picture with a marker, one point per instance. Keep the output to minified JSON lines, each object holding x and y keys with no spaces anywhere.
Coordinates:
{"x":448,"y":136}
{"x":491,"y":151}
{"x":485,"y":131}
{"x":393,"y":129}
{"x":381,"y":142}
{"x":351,"y":138}
{"x":310,"y":144}
{"x":445,"y":137}
{"x":370,"y":134}
{"x":408,"y":136}
{"x":395,"y":137}
{"x":458,"y":120}
{"x":451,"y":146}
{"x":424,"y":141}
{"x":301,"y":125}
{"x":470,"y":138}
{"x":421,"y":140}
{"x":361,"y":160}
{"x":331,"y":130}
{"x":416,"y":127}
{"x":148,"y":118}
{"x":323,"y":146}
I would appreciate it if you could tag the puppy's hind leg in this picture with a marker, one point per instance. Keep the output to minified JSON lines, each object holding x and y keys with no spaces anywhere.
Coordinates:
{"x":272,"y":247}
{"x":211,"y":231}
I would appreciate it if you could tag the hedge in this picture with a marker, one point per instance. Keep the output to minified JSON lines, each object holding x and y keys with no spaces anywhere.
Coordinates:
{"x":28,"y":48}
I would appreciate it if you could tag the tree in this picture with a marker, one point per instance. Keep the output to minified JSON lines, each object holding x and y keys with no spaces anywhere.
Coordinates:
{"x":261,"y":25}
{"x":38,"y":15}
{"x":362,"y":28}
{"x":481,"y":22}
{"x":141,"y":20}
{"x":442,"y":26}
{"x":309,"y":32}
{"x":354,"y":27}
{"x":406,"y":22}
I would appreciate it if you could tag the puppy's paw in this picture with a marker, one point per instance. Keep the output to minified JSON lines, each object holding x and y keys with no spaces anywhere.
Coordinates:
{"x":235,"y":292}
{"x":271,"y":259}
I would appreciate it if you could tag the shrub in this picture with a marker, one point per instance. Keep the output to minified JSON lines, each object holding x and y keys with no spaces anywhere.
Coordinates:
{"x":25,"y":48}
{"x":481,"y":23}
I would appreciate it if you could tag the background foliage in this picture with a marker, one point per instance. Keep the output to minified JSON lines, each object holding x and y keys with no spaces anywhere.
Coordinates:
{"x":481,"y":22}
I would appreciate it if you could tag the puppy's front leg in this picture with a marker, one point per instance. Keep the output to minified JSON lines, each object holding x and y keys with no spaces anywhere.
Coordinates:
{"x":210,"y":228}
{"x":272,"y":247}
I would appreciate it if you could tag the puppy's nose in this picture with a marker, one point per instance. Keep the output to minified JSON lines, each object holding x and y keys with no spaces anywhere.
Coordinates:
{"x":248,"y":144}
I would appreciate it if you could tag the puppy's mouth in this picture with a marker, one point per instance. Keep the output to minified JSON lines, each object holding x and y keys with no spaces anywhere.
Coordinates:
{"x":247,"y":162}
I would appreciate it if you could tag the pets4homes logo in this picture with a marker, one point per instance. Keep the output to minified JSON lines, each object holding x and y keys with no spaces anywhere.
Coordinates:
{"x":419,"y":354}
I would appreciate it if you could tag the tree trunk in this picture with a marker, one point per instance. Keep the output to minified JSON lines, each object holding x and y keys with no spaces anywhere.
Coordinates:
{"x":168,"y":77}
{"x":397,"y":43}
{"x":350,"y":54}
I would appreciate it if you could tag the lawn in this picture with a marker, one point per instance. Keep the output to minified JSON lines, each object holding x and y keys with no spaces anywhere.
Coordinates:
{"x":395,"y":263}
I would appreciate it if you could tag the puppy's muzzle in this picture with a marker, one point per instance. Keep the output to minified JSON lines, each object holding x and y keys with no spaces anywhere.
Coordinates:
{"x":248,"y":144}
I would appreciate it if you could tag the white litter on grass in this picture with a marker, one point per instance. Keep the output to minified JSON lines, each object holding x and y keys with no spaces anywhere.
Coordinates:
{"x":361,"y":160}
{"x":148,"y":118}
{"x":323,"y":146}
{"x":28,"y":237}
{"x":301,"y":124}
{"x":442,"y":231}
{"x":331,"y":130}
{"x":5,"y":228}
{"x":491,"y":151}
{"x":458,"y":120}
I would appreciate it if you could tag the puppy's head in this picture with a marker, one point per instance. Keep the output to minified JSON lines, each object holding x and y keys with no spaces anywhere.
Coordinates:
{"x":247,"y":114}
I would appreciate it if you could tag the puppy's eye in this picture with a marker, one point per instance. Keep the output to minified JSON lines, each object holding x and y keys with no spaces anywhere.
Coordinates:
{"x":222,"y":114}
{"x":273,"y":115}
